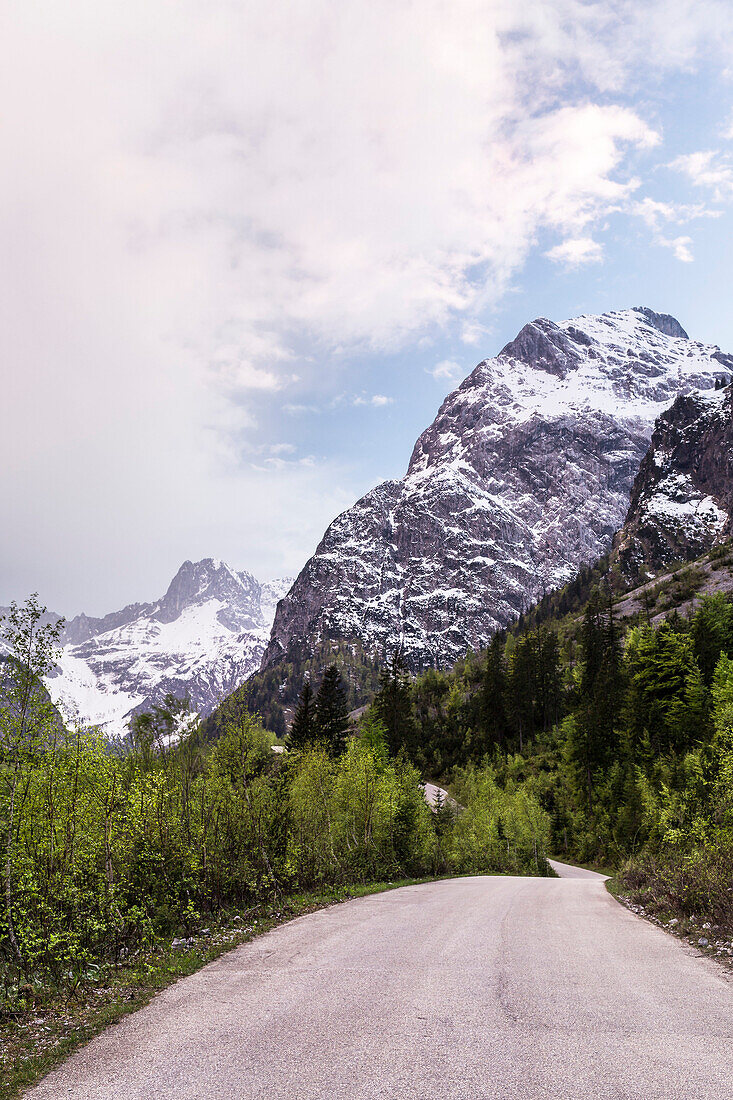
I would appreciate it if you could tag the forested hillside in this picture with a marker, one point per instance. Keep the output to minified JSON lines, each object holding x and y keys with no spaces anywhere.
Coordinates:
{"x":617,"y":715}
{"x":598,"y":729}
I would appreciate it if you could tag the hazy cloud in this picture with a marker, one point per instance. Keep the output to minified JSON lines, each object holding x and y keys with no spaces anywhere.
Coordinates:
{"x":202,"y":202}
{"x":377,"y":400}
{"x":657,"y":214}
{"x":681,"y":247}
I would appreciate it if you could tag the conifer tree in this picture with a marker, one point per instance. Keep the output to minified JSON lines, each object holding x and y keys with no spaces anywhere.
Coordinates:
{"x":521,"y":689}
{"x":492,"y":716}
{"x":712,"y":632}
{"x":593,"y":740}
{"x":548,"y":678}
{"x":331,"y":712}
{"x":302,"y":730}
{"x":393,"y":706}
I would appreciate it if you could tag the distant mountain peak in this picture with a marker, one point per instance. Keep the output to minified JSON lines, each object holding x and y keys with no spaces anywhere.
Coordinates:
{"x":201,"y":639}
{"x":558,"y":347}
{"x":209,"y":579}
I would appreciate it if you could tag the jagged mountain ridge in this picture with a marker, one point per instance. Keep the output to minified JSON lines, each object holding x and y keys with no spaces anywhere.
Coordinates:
{"x":682,"y":501}
{"x":524,"y":475}
{"x":201,"y":639}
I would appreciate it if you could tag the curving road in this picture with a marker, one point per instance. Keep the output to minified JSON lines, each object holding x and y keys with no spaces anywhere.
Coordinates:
{"x":467,"y":989}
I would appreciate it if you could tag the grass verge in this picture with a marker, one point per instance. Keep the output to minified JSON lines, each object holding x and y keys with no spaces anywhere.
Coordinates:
{"x":48,"y":1025}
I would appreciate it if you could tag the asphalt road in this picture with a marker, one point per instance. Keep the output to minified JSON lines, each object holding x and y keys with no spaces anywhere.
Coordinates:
{"x":470,"y":988}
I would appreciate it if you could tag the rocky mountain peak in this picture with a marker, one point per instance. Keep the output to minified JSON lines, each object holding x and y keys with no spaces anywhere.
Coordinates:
{"x":543,"y":345}
{"x":524,"y":475}
{"x":663,"y":322}
{"x":559,"y":348}
{"x":682,"y":500}
{"x":196,"y":583}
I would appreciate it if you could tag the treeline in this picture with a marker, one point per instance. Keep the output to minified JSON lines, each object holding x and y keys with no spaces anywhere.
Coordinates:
{"x":626,"y":741}
{"x":107,"y":853}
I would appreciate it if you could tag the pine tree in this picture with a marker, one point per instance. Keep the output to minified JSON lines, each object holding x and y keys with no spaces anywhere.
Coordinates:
{"x":521,"y":689}
{"x":592,"y":744}
{"x":331,"y":712}
{"x":712,"y":632}
{"x":302,"y":728}
{"x":548,"y":678}
{"x":492,"y":716}
{"x":393,"y":705}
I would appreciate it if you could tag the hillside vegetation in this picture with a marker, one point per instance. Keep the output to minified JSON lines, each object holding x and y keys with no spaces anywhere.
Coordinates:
{"x":107,"y":854}
{"x":599,"y":729}
{"x":616,"y":714}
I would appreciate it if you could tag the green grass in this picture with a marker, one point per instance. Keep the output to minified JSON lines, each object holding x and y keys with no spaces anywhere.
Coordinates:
{"x":41,"y":1032}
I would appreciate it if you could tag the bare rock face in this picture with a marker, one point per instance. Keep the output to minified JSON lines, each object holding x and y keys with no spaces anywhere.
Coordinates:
{"x":201,"y":639}
{"x":524,"y":475}
{"x":682,"y":501}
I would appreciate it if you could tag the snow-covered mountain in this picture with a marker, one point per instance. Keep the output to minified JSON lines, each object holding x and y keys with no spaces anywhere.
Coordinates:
{"x":524,"y":475}
{"x":682,"y":501}
{"x":201,"y":639}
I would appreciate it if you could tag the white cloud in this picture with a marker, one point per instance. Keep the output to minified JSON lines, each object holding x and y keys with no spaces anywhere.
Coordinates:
{"x":447,"y":370}
{"x":710,"y":169}
{"x":276,"y":462}
{"x":656,"y":214}
{"x":295,"y":409}
{"x":681,"y":247}
{"x":576,"y":251}
{"x":473,"y":333}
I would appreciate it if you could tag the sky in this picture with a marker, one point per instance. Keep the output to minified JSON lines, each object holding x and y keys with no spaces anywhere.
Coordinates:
{"x":248,"y":246}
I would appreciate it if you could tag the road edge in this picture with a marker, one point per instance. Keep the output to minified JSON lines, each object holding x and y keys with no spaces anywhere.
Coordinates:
{"x":166,"y":965}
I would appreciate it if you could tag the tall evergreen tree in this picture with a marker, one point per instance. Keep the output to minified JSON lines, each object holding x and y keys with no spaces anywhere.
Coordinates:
{"x":331,"y":712}
{"x":548,"y":679}
{"x":712,"y":632}
{"x":301,"y":730}
{"x":393,"y":705}
{"x":592,"y":741}
{"x":491,"y":710}
{"x":521,"y":689}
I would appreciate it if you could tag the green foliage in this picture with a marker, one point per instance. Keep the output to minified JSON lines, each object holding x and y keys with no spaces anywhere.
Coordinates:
{"x":110,"y":853}
{"x":107,"y":853}
{"x":624,"y":744}
{"x":331,"y":712}
{"x":29,"y":726}
{"x":273,"y":694}
{"x":393,"y":707}
{"x":502,"y":829}
{"x":666,"y":699}
{"x":301,"y":730}
{"x":712,"y":633}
